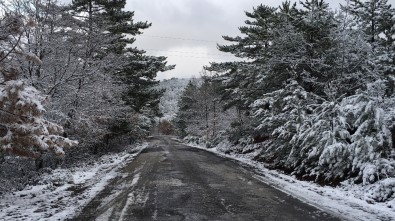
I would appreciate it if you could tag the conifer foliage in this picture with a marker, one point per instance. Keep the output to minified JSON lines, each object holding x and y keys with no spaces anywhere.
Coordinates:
{"x":313,"y":92}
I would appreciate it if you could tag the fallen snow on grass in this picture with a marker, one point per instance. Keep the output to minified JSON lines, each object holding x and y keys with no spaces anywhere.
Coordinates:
{"x":64,"y":192}
{"x":349,"y":201}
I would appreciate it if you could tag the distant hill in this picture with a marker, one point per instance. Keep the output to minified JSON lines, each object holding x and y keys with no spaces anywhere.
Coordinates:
{"x":168,"y":103}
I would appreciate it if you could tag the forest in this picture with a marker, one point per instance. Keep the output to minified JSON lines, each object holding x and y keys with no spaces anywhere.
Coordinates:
{"x":73,"y":86}
{"x":312,"y":94}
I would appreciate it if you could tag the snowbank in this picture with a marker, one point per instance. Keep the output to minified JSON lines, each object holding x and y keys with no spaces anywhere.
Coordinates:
{"x":64,"y":192}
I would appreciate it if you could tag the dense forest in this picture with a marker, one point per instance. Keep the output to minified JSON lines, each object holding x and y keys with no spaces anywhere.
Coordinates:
{"x":71,"y":77}
{"x":313,"y":94}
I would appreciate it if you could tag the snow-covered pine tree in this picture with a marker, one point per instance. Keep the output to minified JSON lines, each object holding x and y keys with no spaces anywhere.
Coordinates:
{"x":240,"y":77}
{"x":137,"y":71}
{"x":279,"y":115}
{"x":335,"y":70}
{"x":86,"y":81}
{"x":186,"y":117}
{"x":377,"y":19}
{"x":201,"y":115}
{"x":315,"y":21}
{"x":242,"y":82}
{"x":315,"y":69}
{"x":341,"y":140}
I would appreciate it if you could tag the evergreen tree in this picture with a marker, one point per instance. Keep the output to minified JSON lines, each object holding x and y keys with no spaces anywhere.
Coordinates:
{"x":377,"y":19}
{"x":242,"y":76}
{"x":132,"y":67}
{"x":242,"y":82}
{"x":138,"y":70}
{"x":187,"y":111}
{"x":139,"y":74}
{"x":303,"y":91}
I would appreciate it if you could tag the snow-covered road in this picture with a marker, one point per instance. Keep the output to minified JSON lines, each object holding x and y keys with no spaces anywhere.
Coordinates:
{"x":171,"y":181}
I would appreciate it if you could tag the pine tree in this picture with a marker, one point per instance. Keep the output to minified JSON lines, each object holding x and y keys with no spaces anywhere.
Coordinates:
{"x":138,"y":70}
{"x":303,"y":90}
{"x":242,"y":81}
{"x":131,"y":68}
{"x":139,"y":75}
{"x":186,"y":117}
{"x":377,"y":19}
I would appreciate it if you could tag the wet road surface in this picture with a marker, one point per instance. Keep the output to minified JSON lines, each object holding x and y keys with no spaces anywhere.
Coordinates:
{"x":171,"y":181}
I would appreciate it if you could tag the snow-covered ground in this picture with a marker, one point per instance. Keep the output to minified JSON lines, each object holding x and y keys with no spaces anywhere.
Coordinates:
{"x":350,"y":202}
{"x":64,"y":192}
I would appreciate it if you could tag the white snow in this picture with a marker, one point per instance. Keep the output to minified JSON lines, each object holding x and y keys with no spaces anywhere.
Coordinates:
{"x":135,"y":179}
{"x":129,"y":202}
{"x":64,"y":192}
{"x":137,"y":197}
{"x":106,"y":215}
{"x":169,"y":101}
{"x":349,"y":201}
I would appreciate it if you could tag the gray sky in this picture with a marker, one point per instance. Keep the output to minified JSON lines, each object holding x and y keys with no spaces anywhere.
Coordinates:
{"x":187,"y":31}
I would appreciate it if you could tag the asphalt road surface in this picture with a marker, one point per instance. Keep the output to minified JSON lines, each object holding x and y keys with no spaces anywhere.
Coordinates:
{"x":171,"y":181}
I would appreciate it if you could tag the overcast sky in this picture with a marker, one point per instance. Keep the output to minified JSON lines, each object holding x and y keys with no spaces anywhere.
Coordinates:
{"x":187,"y":31}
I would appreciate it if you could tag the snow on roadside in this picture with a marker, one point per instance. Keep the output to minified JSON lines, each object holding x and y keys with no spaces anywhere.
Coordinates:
{"x":64,"y":192}
{"x":348,"y":201}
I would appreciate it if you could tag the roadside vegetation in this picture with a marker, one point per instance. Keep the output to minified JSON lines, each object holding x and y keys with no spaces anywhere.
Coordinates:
{"x":73,"y":86}
{"x":313,"y":95}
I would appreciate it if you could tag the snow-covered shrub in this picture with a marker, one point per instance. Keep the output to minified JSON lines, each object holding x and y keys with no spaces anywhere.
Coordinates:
{"x":280,"y":115}
{"x":328,"y":141}
{"x":28,"y":133}
{"x":194,"y":140}
{"x":219,"y":137}
{"x":224,"y":146}
{"x":321,"y":131}
{"x":382,"y":191}
{"x":239,"y":132}
{"x":342,"y":140}
{"x":282,"y":111}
